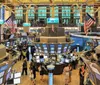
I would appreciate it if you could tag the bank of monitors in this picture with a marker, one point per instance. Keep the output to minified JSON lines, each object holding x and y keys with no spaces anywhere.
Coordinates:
{"x":59,"y":50}
{"x":52,"y":48}
{"x":16,"y":79}
{"x":45,"y":48}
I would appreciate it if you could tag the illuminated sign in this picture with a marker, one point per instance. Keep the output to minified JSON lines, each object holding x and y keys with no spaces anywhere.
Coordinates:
{"x":52,"y":20}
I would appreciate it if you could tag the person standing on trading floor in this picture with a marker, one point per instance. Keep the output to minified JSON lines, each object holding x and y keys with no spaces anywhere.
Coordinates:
{"x":42,"y":71}
{"x":66,"y":72}
{"x":82,"y":73}
{"x":33,"y":70}
{"x":70,"y":72}
{"x":24,"y":67}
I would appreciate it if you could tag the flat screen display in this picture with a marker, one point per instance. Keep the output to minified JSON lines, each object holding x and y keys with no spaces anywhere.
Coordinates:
{"x":45,"y":51}
{"x":44,"y":45}
{"x":59,"y":46}
{"x":1,"y":74}
{"x":37,"y":57}
{"x":8,"y":44}
{"x":52,"y":48}
{"x":45,"y":56}
{"x":98,"y":42}
{"x":52,"y":52}
{"x":52,"y":20}
{"x":45,"y":48}
{"x":1,"y":81}
{"x":59,"y":52}
{"x":17,"y":75}
{"x":17,"y":81}
{"x":38,"y":61}
{"x":67,"y":60}
{"x":42,"y":60}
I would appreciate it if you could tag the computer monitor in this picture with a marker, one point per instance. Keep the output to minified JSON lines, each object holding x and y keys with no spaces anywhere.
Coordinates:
{"x":45,"y":57}
{"x":45,"y":51}
{"x":59,"y":45}
{"x":42,"y":60}
{"x":67,"y":60}
{"x":59,"y":51}
{"x":52,"y":52}
{"x":44,"y":45}
{"x":17,"y":75}
{"x":1,"y":80}
{"x":37,"y":57}
{"x":1,"y":74}
{"x":17,"y":81}
{"x":38,"y":60}
{"x":52,"y":48}
{"x":98,"y":42}
{"x":59,"y":48}
{"x":45,"y":48}
{"x":8,"y":44}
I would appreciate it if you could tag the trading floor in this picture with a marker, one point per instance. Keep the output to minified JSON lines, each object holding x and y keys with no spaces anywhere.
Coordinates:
{"x":58,"y":79}
{"x":49,"y":42}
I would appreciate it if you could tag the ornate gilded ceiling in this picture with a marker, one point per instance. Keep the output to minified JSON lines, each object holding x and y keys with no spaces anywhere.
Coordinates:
{"x":48,"y":2}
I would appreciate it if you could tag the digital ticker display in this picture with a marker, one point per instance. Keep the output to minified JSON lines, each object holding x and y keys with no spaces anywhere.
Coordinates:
{"x":52,"y":20}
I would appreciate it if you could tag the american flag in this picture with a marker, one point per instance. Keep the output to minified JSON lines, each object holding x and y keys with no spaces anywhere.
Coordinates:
{"x":88,"y":22}
{"x":53,"y":28}
{"x":11,"y":24}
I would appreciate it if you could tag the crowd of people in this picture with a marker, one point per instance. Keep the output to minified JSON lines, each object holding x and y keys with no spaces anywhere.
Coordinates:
{"x":67,"y":70}
{"x":33,"y":68}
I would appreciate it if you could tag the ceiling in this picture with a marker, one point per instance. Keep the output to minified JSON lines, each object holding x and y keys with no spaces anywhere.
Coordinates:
{"x":48,"y":2}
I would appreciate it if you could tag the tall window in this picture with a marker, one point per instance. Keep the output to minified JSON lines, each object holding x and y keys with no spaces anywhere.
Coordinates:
{"x":90,"y":10}
{"x":66,"y":14}
{"x":19,"y":12}
{"x":76,"y":14}
{"x":55,"y":11}
{"x":31,"y":13}
{"x":41,"y":12}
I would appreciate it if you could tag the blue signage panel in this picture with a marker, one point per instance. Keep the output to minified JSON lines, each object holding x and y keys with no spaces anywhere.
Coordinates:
{"x":3,"y":68}
{"x":52,"y":20}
